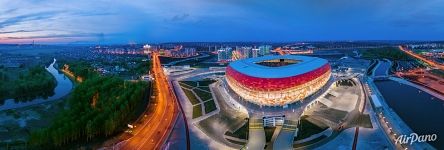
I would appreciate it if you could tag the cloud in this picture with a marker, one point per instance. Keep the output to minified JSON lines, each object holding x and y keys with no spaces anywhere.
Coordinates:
{"x":80,"y":35}
{"x":220,"y":20}
{"x":25,"y":18}
{"x":180,"y":17}
{"x":7,"y":11}
{"x":93,"y":13}
{"x":18,"y":31}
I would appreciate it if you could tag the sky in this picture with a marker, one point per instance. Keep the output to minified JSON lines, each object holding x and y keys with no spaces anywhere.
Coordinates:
{"x":153,"y":21}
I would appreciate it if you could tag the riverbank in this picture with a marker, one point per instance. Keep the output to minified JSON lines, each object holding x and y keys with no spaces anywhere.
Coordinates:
{"x":403,"y":113}
{"x":23,"y":84}
{"x":63,"y":88}
{"x":423,"y":80}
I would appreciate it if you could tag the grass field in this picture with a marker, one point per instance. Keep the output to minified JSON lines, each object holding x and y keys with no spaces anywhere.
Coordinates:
{"x":200,"y":92}
{"x":240,"y":133}
{"x":199,"y":87}
{"x":185,"y":85}
{"x":269,"y":133}
{"x":189,"y":83}
{"x":205,"y":83}
{"x":204,"y":88}
{"x":203,"y":95}
{"x":306,"y":129}
{"x":210,"y":106}
{"x":193,"y":99}
{"x":197,"y":111}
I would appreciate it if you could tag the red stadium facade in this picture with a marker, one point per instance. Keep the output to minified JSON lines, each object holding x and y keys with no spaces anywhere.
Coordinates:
{"x":278,"y":91}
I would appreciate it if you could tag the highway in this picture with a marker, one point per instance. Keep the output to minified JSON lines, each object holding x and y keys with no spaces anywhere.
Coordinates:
{"x":279,"y":50}
{"x":155,"y":130}
{"x":431,"y":63}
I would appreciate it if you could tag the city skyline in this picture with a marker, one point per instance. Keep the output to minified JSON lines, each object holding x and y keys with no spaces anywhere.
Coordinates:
{"x":222,"y":74}
{"x":116,"y":22}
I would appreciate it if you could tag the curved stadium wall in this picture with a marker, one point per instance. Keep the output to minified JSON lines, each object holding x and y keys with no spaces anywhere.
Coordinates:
{"x":277,"y":90}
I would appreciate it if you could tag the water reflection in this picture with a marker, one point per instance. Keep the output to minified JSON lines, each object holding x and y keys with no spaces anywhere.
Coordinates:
{"x":64,"y":86}
{"x":421,"y":111}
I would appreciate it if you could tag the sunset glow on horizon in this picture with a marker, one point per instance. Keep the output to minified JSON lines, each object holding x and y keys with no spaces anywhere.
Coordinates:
{"x":106,"y":21}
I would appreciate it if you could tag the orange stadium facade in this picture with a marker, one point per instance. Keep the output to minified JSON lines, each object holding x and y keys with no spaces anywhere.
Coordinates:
{"x":277,"y":80}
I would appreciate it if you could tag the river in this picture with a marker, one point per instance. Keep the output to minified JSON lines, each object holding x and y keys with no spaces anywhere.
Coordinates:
{"x":422,"y":112}
{"x":63,"y":88}
{"x":383,"y":68}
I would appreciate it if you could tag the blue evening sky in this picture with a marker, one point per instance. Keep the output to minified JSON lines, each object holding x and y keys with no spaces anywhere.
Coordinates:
{"x":124,"y":21}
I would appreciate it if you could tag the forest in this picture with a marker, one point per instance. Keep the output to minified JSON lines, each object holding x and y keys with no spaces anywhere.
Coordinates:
{"x":29,"y":84}
{"x":81,"y":69}
{"x":392,"y":53}
{"x":99,"y":107}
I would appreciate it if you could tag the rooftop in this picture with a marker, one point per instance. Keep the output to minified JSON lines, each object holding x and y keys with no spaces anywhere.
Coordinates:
{"x":277,"y":66}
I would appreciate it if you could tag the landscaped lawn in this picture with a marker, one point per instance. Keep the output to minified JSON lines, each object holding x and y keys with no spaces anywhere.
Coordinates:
{"x":269,"y":133}
{"x":185,"y":85}
{"x":206,"y":82}
{"x":210,"y":106}
{"x":190,"y":83}
{"x":202,"y":91}
{"x":306,"y":129}
{"x":197,"y":111}
{"x":240,"y":133}
{"x":193,"y":99}
{"x":204,"y":95}
{"x":204,"y":88}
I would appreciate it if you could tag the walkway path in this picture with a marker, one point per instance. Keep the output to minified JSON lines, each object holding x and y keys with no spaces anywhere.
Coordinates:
{"x":345,"y":130}
{"x":256,"y":134}
{"x":207,"y":131}
{"x":285,"y":138}
{"x":391,"y":123}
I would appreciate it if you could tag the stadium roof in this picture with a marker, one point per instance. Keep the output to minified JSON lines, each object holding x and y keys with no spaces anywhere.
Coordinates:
{"x":251,"y":68}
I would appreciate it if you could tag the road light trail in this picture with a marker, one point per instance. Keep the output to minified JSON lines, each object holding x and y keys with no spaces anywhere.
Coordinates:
{"x":155,"y":130}
{"x":431,"y":63}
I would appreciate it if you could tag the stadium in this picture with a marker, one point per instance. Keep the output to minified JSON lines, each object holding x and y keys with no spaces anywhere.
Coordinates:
{"x":277,"y":80}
